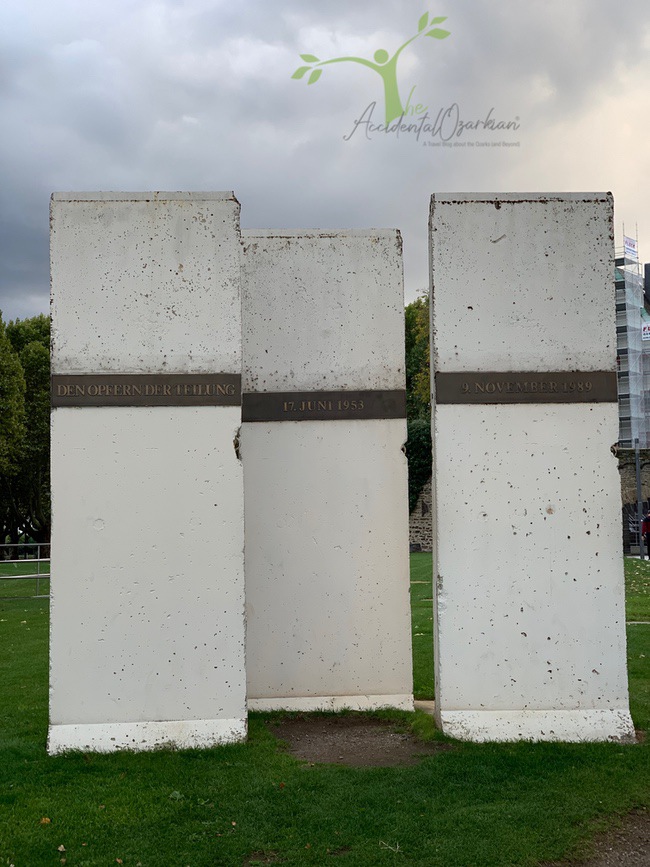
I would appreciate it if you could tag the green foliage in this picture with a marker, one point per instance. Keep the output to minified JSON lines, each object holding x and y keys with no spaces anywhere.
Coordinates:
{"x":12,"y":406}
{"x":418,"y":452}
{"x":418,"y":388}
{"x":25,"y":485}
{"x":418,"y":396}
{"x":33,"y":330}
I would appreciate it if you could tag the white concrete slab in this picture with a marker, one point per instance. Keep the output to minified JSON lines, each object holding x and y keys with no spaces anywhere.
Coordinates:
{"x":328,"y":622}
{"x":147,"y":635}
{"x":141,"y":281}
{"x":323,"y":310}
{"x":145,"y":736}
{"x":523,"y":281}
{"x":529,"y":592}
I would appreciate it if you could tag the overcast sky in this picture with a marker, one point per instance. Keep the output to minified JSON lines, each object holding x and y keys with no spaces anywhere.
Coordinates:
{"x":198,"y":95}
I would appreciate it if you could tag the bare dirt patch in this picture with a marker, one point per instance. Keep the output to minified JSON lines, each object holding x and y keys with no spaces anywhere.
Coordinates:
{"x":361,"y":741}
{"x":356,"y":741}
{"x":627,"y":845}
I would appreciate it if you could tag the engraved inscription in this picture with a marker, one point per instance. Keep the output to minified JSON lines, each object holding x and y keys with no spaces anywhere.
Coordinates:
{"x":526,"y":386}
{"x":556,"y":387}
{"x":323,"y":405}
{"x":188,"y":389}
{"x":290,"y":406}
{"x":146,"y":390}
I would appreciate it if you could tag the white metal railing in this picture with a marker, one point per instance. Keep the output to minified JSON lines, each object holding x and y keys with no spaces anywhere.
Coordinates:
{"x":25,"y":552}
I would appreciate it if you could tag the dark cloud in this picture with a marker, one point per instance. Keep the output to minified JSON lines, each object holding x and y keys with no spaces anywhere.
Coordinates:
{"x":198,"y":95}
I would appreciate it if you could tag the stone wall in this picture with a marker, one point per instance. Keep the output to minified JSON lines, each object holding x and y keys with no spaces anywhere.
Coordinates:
{"x":626,"y":466}
{"x":420,"y":526}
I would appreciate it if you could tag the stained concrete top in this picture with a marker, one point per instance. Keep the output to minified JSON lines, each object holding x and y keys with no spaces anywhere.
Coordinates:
{"x":150,"y":196}
{"x":523,"y":281}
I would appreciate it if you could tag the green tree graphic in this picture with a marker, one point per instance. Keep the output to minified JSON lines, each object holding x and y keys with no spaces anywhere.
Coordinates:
{"x":383,"y":64}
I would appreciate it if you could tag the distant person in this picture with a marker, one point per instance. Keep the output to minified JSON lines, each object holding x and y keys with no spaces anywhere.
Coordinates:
{"x":645,"y":532}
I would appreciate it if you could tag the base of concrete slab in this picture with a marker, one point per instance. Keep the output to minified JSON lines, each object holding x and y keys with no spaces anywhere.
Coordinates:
{"x":332,"y":702}
{"x":142,"y":736}
{"x":538,"y":725}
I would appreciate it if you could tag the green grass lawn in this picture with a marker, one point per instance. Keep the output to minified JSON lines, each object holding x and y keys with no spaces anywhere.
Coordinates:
{"x":637,"y":589}
{"x":422,"y":625}
{"x":22,"y":567}
{"x":477,"y":804}
{"x":23,"y":587}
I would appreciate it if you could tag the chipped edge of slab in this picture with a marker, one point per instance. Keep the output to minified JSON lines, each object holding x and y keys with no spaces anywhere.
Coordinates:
{"x":574,"y":726}
{"x":333,"y":702}
{"x":308,"y":234}
{"x":177,"y":734}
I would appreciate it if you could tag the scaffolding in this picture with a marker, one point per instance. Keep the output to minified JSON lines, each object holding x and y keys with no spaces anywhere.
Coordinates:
{"x":633,"y":351}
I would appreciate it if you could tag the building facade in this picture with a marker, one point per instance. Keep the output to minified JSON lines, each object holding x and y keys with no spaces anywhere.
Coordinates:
{"x":633,"y":348}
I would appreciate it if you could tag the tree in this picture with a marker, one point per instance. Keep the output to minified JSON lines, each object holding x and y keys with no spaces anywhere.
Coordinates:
{"x":418,"y":396}
{"x":12,"y":405}
{"x":12,"y":430}
{"x":25,"y":483}
{"x":33,"y":330}
{"x":382,"y":63}
{"x":418,"y":386}
{"x":34,"y":476}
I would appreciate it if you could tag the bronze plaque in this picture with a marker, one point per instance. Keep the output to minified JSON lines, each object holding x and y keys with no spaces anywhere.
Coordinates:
{"x":146,"y":389}
{"x":529,"y":387}
{"x":323,"y":405}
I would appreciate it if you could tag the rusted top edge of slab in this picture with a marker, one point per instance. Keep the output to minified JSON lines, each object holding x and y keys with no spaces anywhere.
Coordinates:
{"x":152,"y":196}
{"x":517,"y":198}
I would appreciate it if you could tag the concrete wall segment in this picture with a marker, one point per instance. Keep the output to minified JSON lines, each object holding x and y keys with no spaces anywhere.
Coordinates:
{"x":147,"y":588}
{"x":342,"y":324}
{"x":529,"y":592}
{"x":326,"y":559}
{"x":494,"y":319}
{"x":164,"y":297}
{"x":534,"y":588}
{"x":147,"y":629}
{"x":327,"y":604}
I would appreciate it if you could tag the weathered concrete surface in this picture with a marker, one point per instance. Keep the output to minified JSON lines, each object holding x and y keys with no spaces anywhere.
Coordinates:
{"x":529,"y":607}
{"x":328,"y":623}
{"x":147,"y":636}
